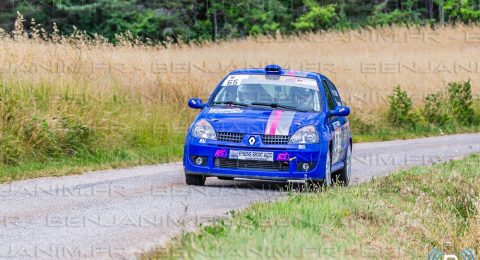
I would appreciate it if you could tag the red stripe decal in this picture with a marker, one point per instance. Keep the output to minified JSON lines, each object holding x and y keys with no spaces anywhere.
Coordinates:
{"x":276,"y":117}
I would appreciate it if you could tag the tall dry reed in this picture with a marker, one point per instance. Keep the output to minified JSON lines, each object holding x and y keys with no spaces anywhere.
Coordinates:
{"x":134,"y":94}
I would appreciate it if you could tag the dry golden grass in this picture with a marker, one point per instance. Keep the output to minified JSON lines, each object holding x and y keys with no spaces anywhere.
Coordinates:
{"x":134,"y":95}
{"x":365,"y":64}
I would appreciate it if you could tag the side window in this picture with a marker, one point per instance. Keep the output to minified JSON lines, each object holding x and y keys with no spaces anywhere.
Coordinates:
{"x":334,"y":91}
{"x":330,"y":101}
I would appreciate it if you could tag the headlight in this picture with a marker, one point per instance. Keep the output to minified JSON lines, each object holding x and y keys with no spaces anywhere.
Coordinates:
{"x":203,"y":129}
{"x":305,"y":135}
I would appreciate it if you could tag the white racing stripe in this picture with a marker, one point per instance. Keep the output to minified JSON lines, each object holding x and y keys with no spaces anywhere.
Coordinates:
{"x":279,"y":122}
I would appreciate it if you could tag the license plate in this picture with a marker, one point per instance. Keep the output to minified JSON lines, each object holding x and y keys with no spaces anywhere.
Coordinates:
{"x":251,"y":155}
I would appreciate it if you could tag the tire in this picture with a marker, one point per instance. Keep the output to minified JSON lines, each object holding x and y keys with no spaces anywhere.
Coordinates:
{"x":328,"y":169}
{"x":345,"y":174}
{"x":194,"y":179}
{"x":225,"y":178}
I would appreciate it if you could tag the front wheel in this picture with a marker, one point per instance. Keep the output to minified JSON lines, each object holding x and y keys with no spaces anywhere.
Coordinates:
{"x":345,"y":174}
{"x":194,"y":179}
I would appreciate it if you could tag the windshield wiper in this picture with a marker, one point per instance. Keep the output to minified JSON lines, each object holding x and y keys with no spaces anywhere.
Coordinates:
{"x":276,"y":105}
{"x":230,"y":103}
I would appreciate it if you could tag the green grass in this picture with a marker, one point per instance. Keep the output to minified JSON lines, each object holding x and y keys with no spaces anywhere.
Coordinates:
{"x":91,"y":161}
{"x":123,"y":157}
{"x":387,"y":133}
{"x":54,"y":128}
{"x":404,"y":215}
{"x":158,"y":153}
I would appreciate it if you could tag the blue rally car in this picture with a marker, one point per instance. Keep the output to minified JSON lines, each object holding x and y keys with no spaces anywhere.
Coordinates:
{"x":272,"y":124}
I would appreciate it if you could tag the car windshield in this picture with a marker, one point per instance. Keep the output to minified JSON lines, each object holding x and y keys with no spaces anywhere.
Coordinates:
{"x":283,"y":92}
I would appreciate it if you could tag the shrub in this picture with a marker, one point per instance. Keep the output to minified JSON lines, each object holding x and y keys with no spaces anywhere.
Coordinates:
{"x":53,"y":137}
{"x":360,"y":126}
{"x":460,"y":102}
{"x":435,"y":109}
{"x":39,"y":136}
{"x":11,"y":149}
{"x":476,"y":109}
{"x":318,"y":17}
{"x":75,"y":136}
{"x":400,"y":106}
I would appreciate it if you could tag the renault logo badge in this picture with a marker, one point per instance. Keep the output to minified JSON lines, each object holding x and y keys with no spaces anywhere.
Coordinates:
{"x":251,"y":140}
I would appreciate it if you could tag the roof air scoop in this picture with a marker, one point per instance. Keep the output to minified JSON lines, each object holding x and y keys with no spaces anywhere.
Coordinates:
{"x":273,"y":69}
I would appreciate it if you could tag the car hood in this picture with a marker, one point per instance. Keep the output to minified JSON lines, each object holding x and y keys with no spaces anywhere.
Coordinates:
{"x":253,"y":120}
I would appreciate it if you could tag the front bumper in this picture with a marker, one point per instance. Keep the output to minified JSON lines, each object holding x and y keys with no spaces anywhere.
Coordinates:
{"x":288,"y":158}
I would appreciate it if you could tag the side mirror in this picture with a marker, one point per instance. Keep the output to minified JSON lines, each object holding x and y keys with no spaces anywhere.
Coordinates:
{"x":340,"y":111}
{"x":196,"y":103}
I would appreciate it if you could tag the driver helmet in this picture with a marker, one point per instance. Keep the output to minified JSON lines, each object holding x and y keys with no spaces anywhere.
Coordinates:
{"x":302,"y":96}
{"x":247,"y":93}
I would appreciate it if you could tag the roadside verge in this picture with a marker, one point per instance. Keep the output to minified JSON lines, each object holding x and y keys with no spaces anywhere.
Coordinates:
{"x":403,"y":215}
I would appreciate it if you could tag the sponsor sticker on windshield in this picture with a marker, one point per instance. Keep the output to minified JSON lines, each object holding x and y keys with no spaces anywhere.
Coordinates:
{"x":304,"y":81}
{"x":234,"y":80}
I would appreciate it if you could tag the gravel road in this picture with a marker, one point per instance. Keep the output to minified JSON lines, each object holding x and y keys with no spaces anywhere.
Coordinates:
{"x":120,"y":213}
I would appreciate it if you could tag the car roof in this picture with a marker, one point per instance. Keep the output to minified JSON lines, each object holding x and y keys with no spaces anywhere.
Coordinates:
{"x":281,"y":72}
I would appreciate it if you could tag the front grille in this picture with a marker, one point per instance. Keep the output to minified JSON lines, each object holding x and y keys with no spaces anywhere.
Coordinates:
{"x":230,"y":137}
{"x":275,"y":139}
{"x":251,"y":165}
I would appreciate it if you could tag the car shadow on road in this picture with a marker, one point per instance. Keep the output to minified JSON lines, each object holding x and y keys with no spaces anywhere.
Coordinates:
{"x":261,"y":185}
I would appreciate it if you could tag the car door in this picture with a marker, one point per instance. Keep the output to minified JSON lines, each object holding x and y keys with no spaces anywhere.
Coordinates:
{"x":333,"y":123}
{"x":338,"y":124}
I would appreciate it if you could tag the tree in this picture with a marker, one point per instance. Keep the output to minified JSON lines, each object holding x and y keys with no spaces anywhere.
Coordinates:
{"x":198,"y":20}
{"x":317,"y":17}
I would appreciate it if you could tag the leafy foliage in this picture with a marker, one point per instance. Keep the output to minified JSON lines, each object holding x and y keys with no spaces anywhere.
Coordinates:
{"x":460,"y":102}
{"x":462,"y":10}
{"x":400,"y":108}
{"x":316,"y":18}
{"x":435,"y":109}
{"x":453,"y":107}
{"x":193,"y":20}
